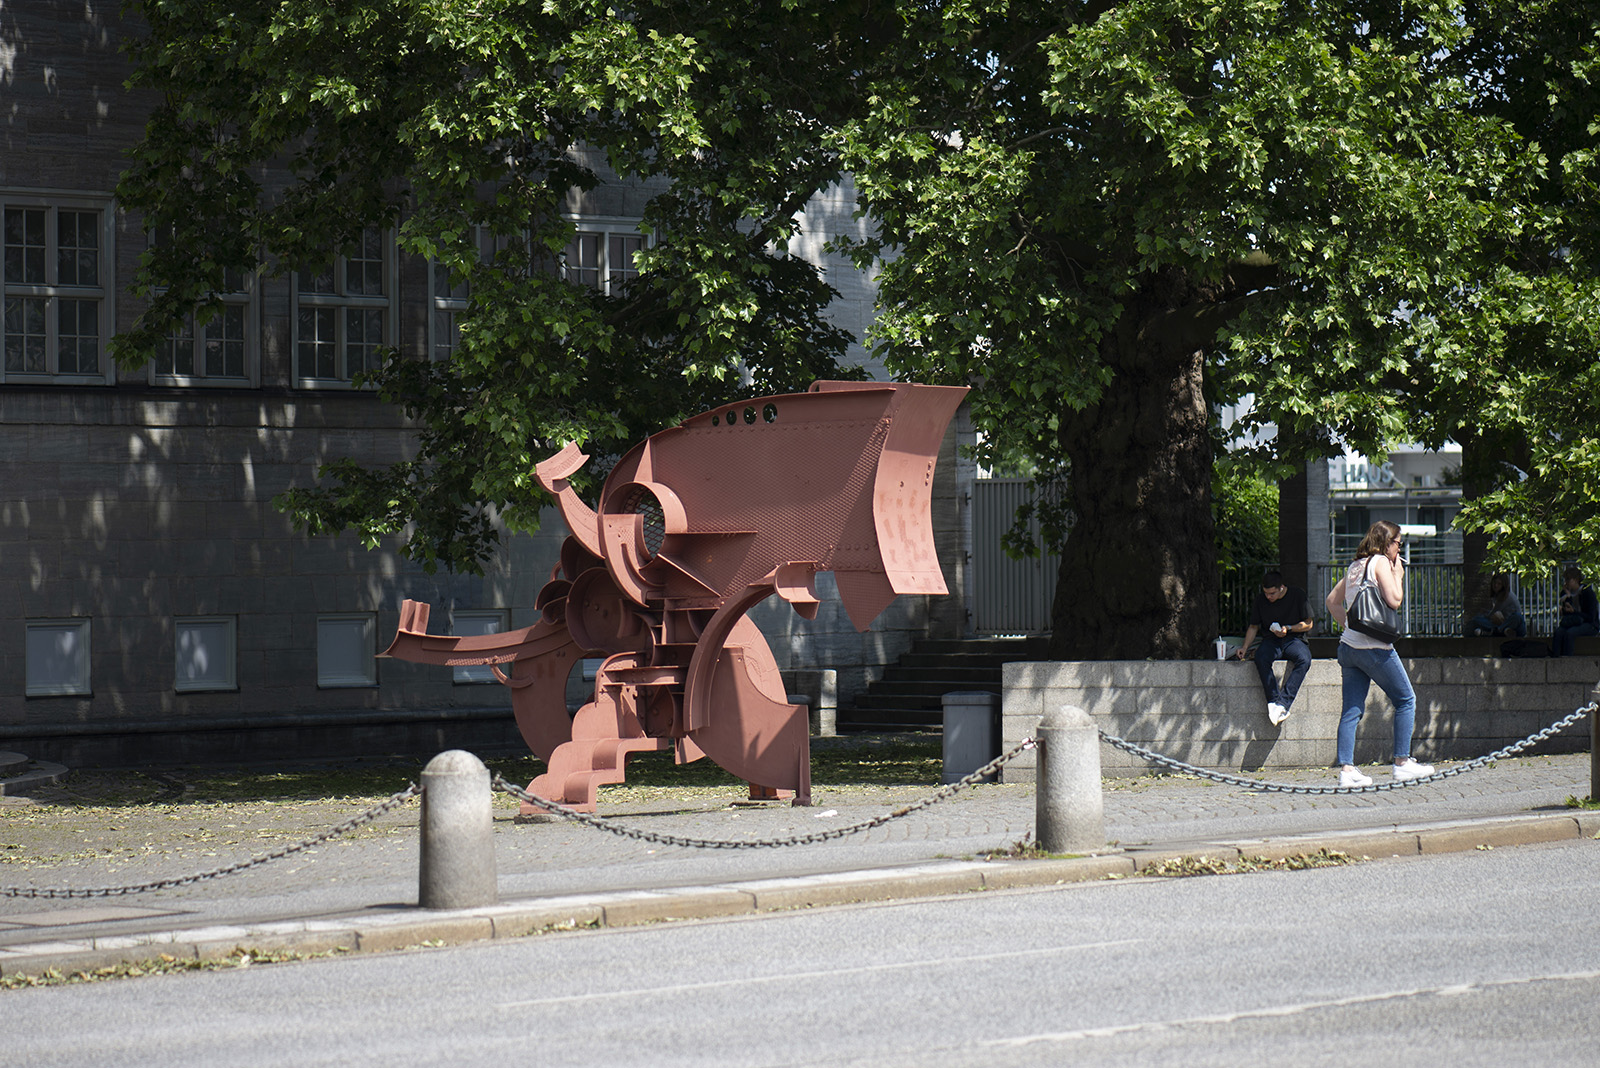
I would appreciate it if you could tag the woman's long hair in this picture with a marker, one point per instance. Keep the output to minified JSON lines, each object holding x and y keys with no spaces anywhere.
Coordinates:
{"x":1380,"y":536}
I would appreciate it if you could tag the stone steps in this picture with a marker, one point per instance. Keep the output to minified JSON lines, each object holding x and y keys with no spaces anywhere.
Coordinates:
{"x":18,"y":774}
{"x":909,"y":695}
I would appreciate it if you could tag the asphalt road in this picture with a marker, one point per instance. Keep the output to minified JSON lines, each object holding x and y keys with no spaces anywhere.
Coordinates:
{"x":1480,"y":958}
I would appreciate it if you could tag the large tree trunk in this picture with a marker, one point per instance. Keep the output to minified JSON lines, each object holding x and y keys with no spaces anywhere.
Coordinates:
{"x":1139,"y":572}
{"x":1476,"y":478}
{"x":1483,"y":460}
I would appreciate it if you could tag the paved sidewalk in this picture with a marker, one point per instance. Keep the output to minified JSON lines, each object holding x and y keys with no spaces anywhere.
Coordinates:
{"x":358,"y":894}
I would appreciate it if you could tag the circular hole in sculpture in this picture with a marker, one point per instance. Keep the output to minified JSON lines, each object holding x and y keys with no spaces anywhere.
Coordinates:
{"x":642,"y":502}
{"x":749,"y":415}
{"x":770,"y":413}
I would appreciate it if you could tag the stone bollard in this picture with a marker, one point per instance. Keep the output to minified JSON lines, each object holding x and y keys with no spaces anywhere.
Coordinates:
{"x":1070,"y":811}
{"x":457,"y":870}
{"x":825,"y":716}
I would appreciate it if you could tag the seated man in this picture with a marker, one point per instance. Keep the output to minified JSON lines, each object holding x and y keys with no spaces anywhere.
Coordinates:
{"x":1579,"y":615}
{"x":1286,"y":615}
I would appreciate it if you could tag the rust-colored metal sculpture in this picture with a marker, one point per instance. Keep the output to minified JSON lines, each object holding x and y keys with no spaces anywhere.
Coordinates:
{"x":695,"y":526}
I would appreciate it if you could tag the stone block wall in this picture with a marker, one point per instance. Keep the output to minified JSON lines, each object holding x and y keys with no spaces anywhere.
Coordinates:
{"x":1212,"y":714}
{"x":130,"y":509}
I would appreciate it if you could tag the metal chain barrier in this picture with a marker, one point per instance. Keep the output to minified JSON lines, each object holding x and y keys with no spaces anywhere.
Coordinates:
{"x":359,"y":820}
{"x":1264,"y":786}
{"x":943,"y":794}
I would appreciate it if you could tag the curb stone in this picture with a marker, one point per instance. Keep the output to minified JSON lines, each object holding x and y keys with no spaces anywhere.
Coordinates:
{"x":410,"y":927}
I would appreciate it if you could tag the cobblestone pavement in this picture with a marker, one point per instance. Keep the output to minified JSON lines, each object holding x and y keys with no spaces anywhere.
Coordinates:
{"x":377,"y":867}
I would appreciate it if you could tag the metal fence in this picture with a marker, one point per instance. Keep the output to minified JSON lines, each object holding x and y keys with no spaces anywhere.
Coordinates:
{"x":1432,"y":607}
{"x":1015,"y":596}
{"x":1009,"y":596}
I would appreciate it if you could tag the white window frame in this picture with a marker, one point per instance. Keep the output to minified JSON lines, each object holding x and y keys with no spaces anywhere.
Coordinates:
{"x":332,"y":676}
{"x":445,"y":305}
{"x":446,"y":302}
{"x":78,"y":684}
{"x":50,"y":289}
{"x":473,"y":624}
{"x":225,"y":652}
{"x":605,"y":228}
{"x":341,"y":303}
{"x":245,"y":301}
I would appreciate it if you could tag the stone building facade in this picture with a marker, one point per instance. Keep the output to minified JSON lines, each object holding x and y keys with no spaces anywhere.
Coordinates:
{"x":154,"y":606}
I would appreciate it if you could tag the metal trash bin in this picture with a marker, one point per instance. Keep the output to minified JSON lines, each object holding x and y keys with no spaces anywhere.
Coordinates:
{"x":971,"y":733}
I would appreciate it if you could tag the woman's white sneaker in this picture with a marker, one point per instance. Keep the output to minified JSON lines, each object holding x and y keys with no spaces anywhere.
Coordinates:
{"x":1353,"y":777}
{"x":1412,"y":769}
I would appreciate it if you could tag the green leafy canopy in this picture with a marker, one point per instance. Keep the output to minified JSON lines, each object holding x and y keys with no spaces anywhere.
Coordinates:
{"x":284,"y":129}
{"x":1376,"y":220}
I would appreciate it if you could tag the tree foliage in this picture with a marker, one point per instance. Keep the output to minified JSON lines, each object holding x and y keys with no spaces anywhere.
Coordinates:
{"x":1376,"y":218}
{"x":1531,"y":435}
{"x":286,"y":127}
{"x":1246,"y":504}
{"x":1111,"y":214}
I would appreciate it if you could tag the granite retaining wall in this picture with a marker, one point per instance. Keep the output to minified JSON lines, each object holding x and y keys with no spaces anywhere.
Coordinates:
{"x":1212,"y":713}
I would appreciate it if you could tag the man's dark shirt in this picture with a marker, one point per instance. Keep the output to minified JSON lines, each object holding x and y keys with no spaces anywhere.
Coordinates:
{"x":1588,"y":609}
{"x":1290,"y":609}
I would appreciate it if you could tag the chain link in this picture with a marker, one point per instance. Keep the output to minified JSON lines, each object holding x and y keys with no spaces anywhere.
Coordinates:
{"x":358,"y":820}
{"x":943,"y":794}
{"x":1263,"y":786}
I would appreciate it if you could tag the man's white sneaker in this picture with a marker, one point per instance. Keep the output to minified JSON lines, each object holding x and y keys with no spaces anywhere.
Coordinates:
{"x":1412,"y":769}
{"x":1353,"y":777}
{"x":1276,"y":713}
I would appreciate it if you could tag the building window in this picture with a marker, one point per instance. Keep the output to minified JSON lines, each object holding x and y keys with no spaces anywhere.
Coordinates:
{"x":603,"y":253}
{"x":222,"y":350}
{"x":471,"y":625}
{"x":345,"y":651}
{"x":205,"y":653}
{"x":344,"y":314}
{"x":449,"y":301}
{"x":55,"y":272}
{"x":56,"y":652}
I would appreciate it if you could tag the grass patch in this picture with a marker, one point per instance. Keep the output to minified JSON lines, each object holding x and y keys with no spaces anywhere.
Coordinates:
{"x":188,"y":816}
{"x":851,"y":761}
{"x":1573,"y":801}
{"x":856,"y":760}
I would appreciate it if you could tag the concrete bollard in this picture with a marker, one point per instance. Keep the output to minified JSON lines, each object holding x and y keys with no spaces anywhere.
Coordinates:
{"x":1070,"y":811}
{"x":457,"y":870}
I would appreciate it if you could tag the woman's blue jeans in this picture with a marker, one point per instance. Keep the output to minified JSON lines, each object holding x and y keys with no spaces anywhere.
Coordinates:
{"x":1360,"y":668}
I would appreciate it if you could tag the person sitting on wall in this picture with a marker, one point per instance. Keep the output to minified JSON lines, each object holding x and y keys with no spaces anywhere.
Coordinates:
{"x":1579,"y":613}
{"x":1504,"y":618}
{"x":1286,"y":614}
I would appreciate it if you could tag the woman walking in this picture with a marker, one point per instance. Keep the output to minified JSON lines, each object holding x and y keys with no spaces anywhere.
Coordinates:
{"x":1364,"y":659}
